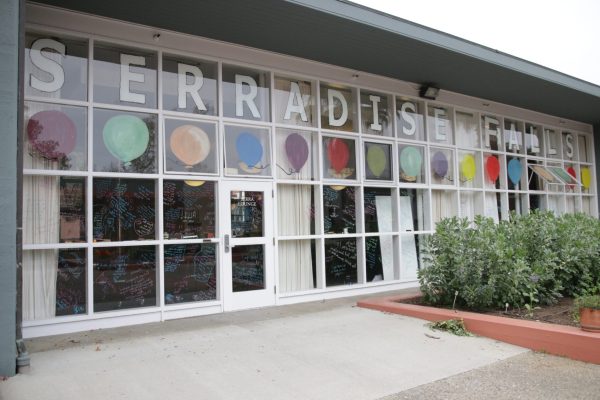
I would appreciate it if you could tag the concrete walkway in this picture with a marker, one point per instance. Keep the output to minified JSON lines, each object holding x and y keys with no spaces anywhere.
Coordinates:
{"x":324,"y":350}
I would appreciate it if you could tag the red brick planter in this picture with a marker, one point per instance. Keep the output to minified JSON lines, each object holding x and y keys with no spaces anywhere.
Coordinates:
{"x":567,"y":341}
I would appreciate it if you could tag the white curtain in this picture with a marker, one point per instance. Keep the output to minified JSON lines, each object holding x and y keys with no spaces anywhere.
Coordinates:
{"x":41,"y":212}
{"x":294,"y":213}
{"x":491,"y":206}
{"x":443,"y":205}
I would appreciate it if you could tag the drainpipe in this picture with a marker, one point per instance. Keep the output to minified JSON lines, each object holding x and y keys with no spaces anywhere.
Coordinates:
{"x":22,"y":354}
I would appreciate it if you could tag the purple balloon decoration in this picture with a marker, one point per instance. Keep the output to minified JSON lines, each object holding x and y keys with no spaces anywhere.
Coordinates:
{"x":52,"y":133}
{"x":296,"y":150}
{"x":439,"y":163}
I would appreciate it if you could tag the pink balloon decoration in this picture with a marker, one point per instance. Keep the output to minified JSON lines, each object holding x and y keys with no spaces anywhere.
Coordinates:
{"x":296,"y":150}
{"x":52,"y":133}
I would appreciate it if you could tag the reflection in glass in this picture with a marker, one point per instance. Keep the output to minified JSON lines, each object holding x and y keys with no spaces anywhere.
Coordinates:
{"x":338,"y":108}
{"x":124,"y":277}
{"x":55,"y":137}
{"x":297,"y":265}
{"x":190,"y":146}
{"x":340,"y":262}
{"x":124,"y":209}
{"x":247,"y":151}
{"x":246,"y":214}
{"x":188,"y":209}
{"x":246,"y":93}
{"x":376,"y":123}
{"x":584,"y":148}
{"x":339,"y":158}
{"x":378,"y":210}
{"x":73,"y":63}
{"x":379,"y":258}
{"x":53,"y":209}
{"x":124,"y":141}
{"x":189,"y":85}
{"x":247,"y":268}
{"x":378,"y":161}
{"x":190,"y":272}
{"x":124,"y":76}
{"x":54,"y":283}
{"x":517,"y":203}
{"x":294,"y":102}
{"x":409,"y":119}
{"x":339,"y":209}
{"x":296,"y":210}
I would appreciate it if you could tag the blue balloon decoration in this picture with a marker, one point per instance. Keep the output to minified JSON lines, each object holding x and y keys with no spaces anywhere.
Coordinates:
{"x":249,"y":149}
{"x":514,"y":171}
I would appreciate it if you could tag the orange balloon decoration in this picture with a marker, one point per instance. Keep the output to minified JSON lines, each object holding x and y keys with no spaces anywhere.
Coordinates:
{"x":338,"y":154}
{"x":190,"y":144}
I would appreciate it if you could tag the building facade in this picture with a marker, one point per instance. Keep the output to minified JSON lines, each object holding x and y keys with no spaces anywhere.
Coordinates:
{"x":168,"y":175}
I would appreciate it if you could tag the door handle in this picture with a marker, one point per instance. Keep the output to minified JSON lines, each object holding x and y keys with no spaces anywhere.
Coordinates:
{"x":226,"y":244}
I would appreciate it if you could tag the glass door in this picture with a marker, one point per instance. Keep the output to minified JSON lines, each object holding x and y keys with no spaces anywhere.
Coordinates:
{"x":248,"y":264}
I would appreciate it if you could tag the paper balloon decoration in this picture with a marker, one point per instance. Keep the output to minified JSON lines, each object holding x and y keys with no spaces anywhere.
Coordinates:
{"x":249,"y":149}
{"x":572,"y":172}
{"x":190,"y":144}
{"x":52,"y":133}
{"x":338,"y":154}
{"x":492,"y":168}
{"x":296,"y":150}
{"x":439,"y":164}
{"x":376,"y":160}
{"x":467,"y":167}
{"x":514,"y":171}
{"x":586,"y":177}
{"x":126,"y":137}
{"x":410,"y":161}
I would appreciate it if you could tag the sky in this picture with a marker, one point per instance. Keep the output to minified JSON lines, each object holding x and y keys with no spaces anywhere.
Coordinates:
{"x":561,"y":35}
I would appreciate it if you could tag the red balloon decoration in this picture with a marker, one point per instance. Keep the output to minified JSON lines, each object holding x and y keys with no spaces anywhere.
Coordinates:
{"x":338,"y":154}
{"x":52,"y":134}
{"x":572,"y":172}
{"x":492,"y":167}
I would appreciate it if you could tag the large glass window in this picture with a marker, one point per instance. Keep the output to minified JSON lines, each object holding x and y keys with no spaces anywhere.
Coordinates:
{"x":247,"y":151}
{"x":189,"y":209}
{"x":124,"y":277}
{"x":55,"y":137}
{"x":378,"y":161}
{"x":340,"y":262}
{"x":376,"y":113}
{"x":295,"y":102}
{"x":339,"y":209}
{"x":297,"y":155}
{"x":246,"y":93}
{"x":409,"y":119}
{"x":190,"y":272}
{"x":189,"y":85}
{"x":379,"y":210}
{"x":296,"y":210}
{"x":339,"y":158}
{"x":191,"y":147}
{"x":338,"y":108}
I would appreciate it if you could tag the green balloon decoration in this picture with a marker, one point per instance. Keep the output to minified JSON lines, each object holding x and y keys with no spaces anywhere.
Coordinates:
{"x":410,"y":161}
{"x":126,"y":137}
{"x":376,"y":160}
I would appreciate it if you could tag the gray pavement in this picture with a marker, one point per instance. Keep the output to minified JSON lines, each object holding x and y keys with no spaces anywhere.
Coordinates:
{"x":321,"y":350}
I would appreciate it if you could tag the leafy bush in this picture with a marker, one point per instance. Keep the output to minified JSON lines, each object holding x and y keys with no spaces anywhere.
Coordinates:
{"x":530,"y":259}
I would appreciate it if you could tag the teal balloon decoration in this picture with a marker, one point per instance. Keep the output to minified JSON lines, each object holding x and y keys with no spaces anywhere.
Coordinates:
{"x":410,"y":161}
{"x":126,"y":137}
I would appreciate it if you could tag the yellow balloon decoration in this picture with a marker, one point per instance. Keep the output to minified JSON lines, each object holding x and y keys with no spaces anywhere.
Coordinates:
{"x":190,"y":144}
{"x":467,"y":167}
{"x":586,"y":177}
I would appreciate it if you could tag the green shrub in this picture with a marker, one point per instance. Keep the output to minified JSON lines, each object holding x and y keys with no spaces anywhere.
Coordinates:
{"x":530,"y":259}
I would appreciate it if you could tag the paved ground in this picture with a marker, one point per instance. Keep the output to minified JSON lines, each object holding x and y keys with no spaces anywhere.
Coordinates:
{"x":323,"y":350}
{"x":529,"y":376}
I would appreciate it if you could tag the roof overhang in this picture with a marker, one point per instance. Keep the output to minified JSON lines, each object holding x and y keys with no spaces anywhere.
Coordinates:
{"x":349,"y":35}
